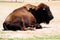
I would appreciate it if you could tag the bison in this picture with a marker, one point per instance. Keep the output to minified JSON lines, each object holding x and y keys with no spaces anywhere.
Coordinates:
{"x":28,"y":17}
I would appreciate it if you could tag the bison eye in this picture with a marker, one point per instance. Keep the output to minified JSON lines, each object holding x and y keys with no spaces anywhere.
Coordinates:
{"x":43,"y":8}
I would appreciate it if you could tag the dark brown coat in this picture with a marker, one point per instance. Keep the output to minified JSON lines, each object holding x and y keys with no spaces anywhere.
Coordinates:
{"x":20,"y":19}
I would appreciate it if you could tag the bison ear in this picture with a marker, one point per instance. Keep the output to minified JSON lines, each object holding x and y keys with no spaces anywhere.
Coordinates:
{"x":44,"y":9}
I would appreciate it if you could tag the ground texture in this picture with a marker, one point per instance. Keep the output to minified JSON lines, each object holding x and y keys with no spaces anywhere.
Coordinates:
{"x":51,"y":29}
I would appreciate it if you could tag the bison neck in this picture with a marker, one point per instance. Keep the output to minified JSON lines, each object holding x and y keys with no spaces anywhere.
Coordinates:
{"x":38,"y":19}
{"x":36,"y":15}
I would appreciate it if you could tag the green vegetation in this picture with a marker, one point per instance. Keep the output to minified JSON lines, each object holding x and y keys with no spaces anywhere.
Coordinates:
{"x":35,"y":38}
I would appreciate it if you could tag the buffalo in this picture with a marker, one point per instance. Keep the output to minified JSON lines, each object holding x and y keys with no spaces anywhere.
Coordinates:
{"x":28,"y":17}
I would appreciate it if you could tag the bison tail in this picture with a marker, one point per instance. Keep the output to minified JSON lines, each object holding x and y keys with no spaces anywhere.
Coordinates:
{"x":4,"y":26}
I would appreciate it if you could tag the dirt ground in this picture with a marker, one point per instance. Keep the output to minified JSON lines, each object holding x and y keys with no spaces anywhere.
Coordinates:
{"x":51,"y":29}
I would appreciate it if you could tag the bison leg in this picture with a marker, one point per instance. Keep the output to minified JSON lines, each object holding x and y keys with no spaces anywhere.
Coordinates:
{"x":12,"y":27}
{"x":38,"y":26}
{"x":4,"y":26}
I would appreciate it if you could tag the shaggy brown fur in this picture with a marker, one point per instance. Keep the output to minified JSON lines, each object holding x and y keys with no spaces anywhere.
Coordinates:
{"x":20,"y":19}
{"x":28,"y":17}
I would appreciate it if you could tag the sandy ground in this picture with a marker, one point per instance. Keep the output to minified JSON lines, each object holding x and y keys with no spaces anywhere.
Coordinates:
{"x":51,"y":29}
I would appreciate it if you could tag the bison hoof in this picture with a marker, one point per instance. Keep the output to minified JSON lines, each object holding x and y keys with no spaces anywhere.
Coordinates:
{"x":39,"y":27}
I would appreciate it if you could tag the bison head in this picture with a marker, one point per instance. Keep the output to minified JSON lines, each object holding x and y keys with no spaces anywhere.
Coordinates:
{"x":42,"y":13}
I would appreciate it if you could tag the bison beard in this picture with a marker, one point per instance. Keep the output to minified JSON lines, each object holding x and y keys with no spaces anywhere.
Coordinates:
{"x":28,"y":17}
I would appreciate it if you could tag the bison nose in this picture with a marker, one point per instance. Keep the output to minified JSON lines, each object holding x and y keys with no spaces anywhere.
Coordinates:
{"x":51,"y":17}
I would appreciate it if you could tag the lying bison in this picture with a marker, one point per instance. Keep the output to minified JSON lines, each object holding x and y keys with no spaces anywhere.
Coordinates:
{"x":28,"y":17}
